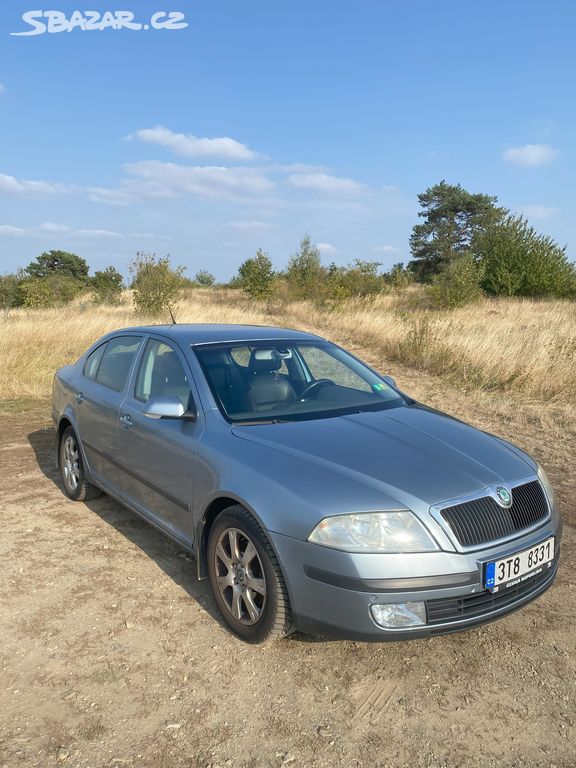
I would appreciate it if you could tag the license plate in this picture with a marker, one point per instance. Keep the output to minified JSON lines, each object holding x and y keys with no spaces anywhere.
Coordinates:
{"x":512,"y":570}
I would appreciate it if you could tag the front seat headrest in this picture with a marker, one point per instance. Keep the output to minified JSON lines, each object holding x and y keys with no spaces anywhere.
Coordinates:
{"x":264,"y":361}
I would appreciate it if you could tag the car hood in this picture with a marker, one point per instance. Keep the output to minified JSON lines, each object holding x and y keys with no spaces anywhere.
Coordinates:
{"x":408,"y":453}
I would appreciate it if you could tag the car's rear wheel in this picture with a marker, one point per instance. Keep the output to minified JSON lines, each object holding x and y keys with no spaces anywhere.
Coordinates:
{"x":74,"y":480}
{"x":246,"y":578}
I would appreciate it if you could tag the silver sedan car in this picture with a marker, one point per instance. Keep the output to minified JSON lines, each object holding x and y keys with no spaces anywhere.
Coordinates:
{"x":312,"y":492}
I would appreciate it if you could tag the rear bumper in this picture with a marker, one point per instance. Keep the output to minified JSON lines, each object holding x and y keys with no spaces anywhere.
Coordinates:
{"x":331,"y":592}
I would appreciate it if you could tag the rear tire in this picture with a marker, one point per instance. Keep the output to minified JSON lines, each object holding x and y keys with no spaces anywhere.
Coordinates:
{"x":76,"y":487}
{"x":246,"y":579}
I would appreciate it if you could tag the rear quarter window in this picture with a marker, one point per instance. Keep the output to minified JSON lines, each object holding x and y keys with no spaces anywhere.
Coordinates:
{"x":93,"y":361}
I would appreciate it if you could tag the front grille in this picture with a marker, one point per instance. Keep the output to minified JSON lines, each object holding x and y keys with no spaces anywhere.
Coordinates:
{"x":483,"y":520}
{"x":450,"y":609}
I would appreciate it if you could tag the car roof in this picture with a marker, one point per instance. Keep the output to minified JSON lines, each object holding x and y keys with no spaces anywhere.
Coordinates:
{"x":212,"y":333}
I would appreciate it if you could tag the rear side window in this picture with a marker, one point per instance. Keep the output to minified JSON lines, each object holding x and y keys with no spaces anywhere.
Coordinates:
{"x":93,"y":361}
{"x":116,"y":362}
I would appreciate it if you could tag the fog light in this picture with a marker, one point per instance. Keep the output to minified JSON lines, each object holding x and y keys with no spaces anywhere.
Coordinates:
{"x":399,"y":615}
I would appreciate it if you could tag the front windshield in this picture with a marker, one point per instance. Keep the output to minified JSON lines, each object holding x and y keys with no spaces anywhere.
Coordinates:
{"x":284,"y":381}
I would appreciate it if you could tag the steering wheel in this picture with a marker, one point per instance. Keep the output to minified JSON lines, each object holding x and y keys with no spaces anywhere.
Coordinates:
{"x":305,"y":394}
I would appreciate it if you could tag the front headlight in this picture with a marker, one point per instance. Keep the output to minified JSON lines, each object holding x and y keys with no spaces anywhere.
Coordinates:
{"x":543,"y":477}
{"x":391,"y":532}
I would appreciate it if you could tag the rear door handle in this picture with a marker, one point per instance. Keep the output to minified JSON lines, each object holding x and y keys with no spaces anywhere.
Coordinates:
{"x":126,"y":421}
{"x":80,"y":397}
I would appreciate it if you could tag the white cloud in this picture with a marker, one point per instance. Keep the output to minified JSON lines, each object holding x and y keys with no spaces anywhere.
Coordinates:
{"x":297,"y":168}
{"x":191,"y":146}
{"x":49,"y":226}
{"x":10,"y":185}
{"x":111,"y":196}
{"x":386,"y":249}
{"x":326,"y":184}
{"x":540,"y":212}
{"x":156,"y":180}
{"x":8,"y":229}
{"x":62,"y":230}
{"x":165,"y":180}
{"x":96,"y":233}
{"x":249,"y":226}
{"x":530,"y":155}
{"x":327,"y":248}
{"x":2,"y":88}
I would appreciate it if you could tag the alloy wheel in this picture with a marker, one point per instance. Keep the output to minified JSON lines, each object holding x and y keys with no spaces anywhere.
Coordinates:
{"x":71,"y":464}
{"x":240,"y":576}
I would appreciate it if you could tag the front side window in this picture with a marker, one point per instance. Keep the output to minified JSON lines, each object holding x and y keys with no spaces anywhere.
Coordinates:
{"x":291,"y":381}
{"x":161,"y":374}
{"x":116,"y":362}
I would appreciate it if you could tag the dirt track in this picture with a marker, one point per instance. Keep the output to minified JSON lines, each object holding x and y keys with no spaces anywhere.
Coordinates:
{"x":112,"y":653}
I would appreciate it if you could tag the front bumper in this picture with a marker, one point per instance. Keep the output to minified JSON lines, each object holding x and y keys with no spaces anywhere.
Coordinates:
{"x":331,"y":592}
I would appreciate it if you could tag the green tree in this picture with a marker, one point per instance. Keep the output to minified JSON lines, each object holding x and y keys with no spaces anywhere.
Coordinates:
{"x":305,"y":273}
{"x":458,"y":282}
{"x":453,"y":217}
{"x":204,"y":278}
{"x":518,"y":261}
{"x":156,"y":283}
{"x":107,"y":286}
{"x":59,"y":263}
{"x":256,"y":276}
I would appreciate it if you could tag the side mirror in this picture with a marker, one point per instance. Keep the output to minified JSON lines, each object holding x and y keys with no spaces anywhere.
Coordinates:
{"x":391,"y":381}
{"x":168,"y":407}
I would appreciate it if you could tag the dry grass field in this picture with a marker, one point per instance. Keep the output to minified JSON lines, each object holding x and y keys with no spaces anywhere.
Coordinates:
{"x":111,"y":653}
{"x":517,"y":346}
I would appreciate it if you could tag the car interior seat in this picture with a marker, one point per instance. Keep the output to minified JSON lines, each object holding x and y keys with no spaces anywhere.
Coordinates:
{"x":268,"y":387}
{"x":227,"y":381}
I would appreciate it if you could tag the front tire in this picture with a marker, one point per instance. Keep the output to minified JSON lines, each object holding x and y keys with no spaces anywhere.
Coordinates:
{"x":245,"y":578}
{"x":74,"y":480}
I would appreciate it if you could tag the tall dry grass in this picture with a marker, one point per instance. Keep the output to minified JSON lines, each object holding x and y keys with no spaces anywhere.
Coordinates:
{"x":521,"y":346}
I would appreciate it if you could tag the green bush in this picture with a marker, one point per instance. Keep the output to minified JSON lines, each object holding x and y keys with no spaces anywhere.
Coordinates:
{"x":107,"y":286}
{"x":518,"y":261}
{"x":11,"y":294}
{"x":52,"y":291}
{"x":256,"y":276}
{"x":359,"y":279}
{"x":458,"y":282}
{"x":204,"y":278}
{"x":156,"y":284}
{"x":399,"y":277}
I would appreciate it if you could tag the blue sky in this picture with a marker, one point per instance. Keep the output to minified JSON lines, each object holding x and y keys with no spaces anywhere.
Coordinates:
{"x":261,"y":121}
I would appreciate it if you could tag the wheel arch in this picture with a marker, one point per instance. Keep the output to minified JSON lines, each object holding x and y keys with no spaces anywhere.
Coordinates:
{"x":215,"y":507}
{"x":67,"y":420}
{"x":63,"y":425}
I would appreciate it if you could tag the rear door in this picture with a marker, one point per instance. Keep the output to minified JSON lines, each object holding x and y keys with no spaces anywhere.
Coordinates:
{"x":100,"y":390}
{"x":157,"y":458}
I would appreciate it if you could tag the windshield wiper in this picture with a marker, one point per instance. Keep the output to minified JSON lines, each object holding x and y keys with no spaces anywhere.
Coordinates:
{"x":256,"y":422}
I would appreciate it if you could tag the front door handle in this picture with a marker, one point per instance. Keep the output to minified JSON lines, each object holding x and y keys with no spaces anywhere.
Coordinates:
{"x":80,"y":398}
{"x":126,"y":421}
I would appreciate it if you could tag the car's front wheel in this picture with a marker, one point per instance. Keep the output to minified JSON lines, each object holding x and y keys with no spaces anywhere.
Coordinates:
{"x":72,"y":469}
{"x":246,"y":579}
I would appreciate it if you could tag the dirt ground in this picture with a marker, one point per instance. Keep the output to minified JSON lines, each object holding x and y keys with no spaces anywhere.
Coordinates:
{"x":113,"y":655}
